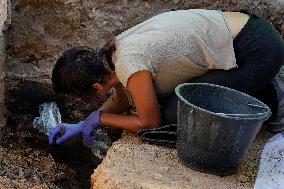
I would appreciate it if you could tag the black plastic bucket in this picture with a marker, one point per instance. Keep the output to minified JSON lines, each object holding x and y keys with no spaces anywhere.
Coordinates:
{"x":216,"y":125}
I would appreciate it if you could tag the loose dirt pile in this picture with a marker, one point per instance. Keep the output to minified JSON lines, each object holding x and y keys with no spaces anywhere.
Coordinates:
{"x":27,"y":161}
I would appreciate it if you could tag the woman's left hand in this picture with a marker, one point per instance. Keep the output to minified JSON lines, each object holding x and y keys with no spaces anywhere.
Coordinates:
{"x":64,"y":131}
{"x":90,"y":124}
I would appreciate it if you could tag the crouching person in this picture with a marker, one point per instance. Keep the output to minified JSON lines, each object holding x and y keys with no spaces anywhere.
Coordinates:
{"x":146,"y":62}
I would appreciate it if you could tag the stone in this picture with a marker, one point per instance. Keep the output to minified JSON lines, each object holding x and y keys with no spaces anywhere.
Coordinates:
{"x":2,"y":78}
{"x":3,"y":13}
{"x":175,"y":2}
{"x":133,"y":164}
{"x":3,"y":18}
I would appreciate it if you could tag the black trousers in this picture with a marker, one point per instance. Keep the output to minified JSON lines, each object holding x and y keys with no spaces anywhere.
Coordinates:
{"x":259,"y":51}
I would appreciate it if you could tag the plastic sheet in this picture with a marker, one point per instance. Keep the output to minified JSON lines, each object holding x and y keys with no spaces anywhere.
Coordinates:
{"x":271,"y":169}
{"x":49,"y":117}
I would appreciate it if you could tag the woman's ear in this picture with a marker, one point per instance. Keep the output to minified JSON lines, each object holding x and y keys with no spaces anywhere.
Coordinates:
{"x":98,"y":86}
{"x":113,"y":78}
{"x":113,"y":75}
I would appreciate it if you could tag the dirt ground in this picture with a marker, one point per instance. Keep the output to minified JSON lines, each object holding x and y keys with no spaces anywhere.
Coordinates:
{"x":26,"y":158}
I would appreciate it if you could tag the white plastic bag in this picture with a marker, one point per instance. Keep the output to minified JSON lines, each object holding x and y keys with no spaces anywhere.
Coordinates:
{"x":271,"y":170}
{"x":49,"y":117}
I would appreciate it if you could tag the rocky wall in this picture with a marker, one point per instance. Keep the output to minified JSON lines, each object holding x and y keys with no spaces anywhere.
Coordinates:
{"x":3,"y":18}
{"x":133,"y":164}
{"x":2,"y":76}
{"x":42,"y":29}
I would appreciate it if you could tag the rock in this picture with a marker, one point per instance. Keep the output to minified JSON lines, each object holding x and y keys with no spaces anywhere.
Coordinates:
{"x":3,"y":14}
{"x":132,"y":164}
{"x":175,"y":2}
{"x":158,"y":176}
{"x":243,"y":179}
{"x":3,"y":17}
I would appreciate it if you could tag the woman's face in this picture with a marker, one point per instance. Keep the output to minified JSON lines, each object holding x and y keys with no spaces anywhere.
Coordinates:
{"x":110,"y":81}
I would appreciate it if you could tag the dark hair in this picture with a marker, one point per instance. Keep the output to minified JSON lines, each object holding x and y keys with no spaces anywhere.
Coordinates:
{"x":80,"y":67}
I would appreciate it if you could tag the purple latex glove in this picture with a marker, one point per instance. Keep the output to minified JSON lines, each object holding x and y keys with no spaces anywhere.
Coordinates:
{"x":90,"y":124}
{"x":64,"y":131}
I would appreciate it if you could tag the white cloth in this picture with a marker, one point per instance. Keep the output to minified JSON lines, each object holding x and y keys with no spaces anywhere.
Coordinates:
{"x":175,"y":47}
{"x":271,"y":170}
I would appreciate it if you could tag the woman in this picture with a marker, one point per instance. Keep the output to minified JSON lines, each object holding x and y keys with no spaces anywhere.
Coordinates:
{"x":145,"y":63}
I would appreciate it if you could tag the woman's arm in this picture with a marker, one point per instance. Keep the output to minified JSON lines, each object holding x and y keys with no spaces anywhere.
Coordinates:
{"x":117,"y":103}
{"x":148,"y":115}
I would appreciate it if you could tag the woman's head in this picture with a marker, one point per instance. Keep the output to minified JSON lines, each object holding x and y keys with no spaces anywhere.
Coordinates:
{"x":79,"y":68}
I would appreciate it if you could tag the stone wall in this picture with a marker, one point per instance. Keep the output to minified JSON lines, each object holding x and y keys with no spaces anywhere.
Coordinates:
{"x":2,"y":75}
{"x":42,"y":29}
{"x":133,"y":164}
{"x":3,"y":18}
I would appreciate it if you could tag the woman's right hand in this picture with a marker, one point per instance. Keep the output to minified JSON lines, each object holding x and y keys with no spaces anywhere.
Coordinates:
{"x":64,"y":131}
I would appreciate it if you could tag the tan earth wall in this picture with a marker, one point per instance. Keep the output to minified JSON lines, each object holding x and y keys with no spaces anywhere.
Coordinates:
{"x":42,"y":29}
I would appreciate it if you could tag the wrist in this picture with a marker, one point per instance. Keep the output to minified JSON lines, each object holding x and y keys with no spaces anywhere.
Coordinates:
{"x":81,"y":125}
{"x":93,"y":120}
{"x":98,"y":116}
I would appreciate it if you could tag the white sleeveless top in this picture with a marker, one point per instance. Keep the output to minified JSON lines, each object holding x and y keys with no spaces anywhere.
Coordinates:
{"x":175,"y":47}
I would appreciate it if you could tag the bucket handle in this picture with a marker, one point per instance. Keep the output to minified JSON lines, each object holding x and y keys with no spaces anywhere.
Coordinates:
{"x":244,"y":115}
{"x":238,"y":115}
{"x":256,"y":106}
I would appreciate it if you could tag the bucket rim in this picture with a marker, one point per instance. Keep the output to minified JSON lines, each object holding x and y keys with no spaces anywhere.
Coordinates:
{"x":262,"y":116}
